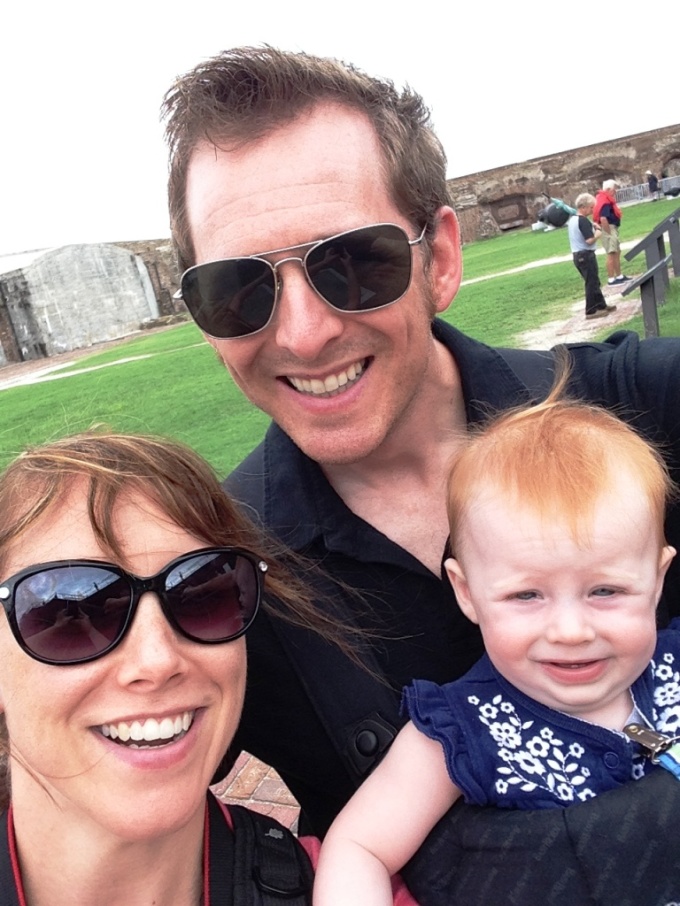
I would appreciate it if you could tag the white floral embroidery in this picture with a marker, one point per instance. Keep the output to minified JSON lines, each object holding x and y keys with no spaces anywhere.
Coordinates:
{"x":667,"y":695}
{"x":504,"y":734}
{"x":532,"y":758}
{"x":668,"y":721}
{"x":538,"y":747}
{"x":535,"y":758}
{"x":638,"y":771}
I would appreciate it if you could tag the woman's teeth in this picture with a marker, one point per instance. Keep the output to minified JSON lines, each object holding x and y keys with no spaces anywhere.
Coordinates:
{"x":140,"y":734}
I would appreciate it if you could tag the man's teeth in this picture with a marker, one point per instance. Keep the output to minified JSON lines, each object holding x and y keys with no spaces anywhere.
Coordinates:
{"x":334,"y":383}
{"x":156,"y":732}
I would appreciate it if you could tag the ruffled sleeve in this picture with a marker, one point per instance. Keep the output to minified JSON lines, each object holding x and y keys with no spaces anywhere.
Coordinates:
{"x":440,"y":713}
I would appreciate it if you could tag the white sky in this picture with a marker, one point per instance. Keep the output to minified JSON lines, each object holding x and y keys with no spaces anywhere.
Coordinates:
{"x":81,"y":152}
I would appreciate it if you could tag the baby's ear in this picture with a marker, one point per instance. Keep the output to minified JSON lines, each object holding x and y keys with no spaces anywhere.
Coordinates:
{"x":667,"y":554}
{"x":454,"y":571}
{"x":665,"y":558}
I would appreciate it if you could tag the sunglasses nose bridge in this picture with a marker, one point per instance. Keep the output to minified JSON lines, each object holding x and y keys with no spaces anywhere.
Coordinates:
{"x":278,"y":278}
{"x":155,"y":585}
{"x":275,"y":265}
{"x":141,"y":586}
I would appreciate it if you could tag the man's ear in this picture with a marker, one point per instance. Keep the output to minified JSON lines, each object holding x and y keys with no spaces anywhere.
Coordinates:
{"x":461,"y":588}
{"x":446,"y":267}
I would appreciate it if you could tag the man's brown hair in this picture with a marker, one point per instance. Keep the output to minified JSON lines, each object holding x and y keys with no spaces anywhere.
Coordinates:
{"x":245,"y":93}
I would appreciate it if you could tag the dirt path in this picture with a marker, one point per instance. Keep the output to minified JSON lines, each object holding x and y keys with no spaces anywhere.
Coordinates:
{"x":575,"y":329}
{"x":34,"y":371}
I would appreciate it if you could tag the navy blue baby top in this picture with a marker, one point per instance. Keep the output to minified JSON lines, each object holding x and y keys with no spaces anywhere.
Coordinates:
{"x":503,"y":748}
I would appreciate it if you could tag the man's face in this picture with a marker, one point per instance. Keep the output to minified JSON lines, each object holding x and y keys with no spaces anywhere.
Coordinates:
{"x":336,"y":383}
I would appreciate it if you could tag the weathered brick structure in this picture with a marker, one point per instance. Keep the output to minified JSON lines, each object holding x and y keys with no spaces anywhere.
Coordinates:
{"x":159,"y":257}
{"x":506,"y":197}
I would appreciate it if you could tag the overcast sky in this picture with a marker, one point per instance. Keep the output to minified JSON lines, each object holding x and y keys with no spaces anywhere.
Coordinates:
{"x":82,"y":157}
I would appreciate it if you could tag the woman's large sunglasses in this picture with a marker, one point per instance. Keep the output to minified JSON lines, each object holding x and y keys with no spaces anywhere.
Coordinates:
{"x":74,"y":611}
{"x":357,"y":271}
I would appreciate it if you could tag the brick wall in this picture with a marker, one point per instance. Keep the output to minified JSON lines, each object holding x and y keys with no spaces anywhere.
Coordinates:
{"x":492,"y":201}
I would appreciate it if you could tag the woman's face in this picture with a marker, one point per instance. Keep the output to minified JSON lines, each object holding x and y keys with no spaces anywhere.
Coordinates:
{"x":60,"y":718}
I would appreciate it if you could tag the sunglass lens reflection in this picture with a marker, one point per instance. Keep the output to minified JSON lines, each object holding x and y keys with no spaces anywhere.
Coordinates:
{"x":76,"y":613}
{"x":357,"y":271}
{"x":362,"y":270}
{"x":71,"y":613}
{"x":230,"y":298}
{"x":212,"y":598}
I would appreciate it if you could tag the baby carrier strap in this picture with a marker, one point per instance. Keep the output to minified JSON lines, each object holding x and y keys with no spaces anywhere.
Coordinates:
{"x":619,"y":849}
{"x":9,"y":895}
{"x":361,"y":726}
{"x":260,"y":864}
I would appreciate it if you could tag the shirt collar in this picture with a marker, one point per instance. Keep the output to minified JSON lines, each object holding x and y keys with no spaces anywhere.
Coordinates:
{"x":301,"y":505}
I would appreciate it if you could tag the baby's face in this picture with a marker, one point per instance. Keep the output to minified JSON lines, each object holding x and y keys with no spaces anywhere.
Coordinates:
{"x":569,"y":622}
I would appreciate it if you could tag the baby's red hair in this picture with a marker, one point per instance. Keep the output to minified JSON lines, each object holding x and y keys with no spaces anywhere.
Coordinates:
{"x":556,"y":459}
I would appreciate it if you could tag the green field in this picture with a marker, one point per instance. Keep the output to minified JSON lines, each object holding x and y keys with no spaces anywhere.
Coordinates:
{"x":491,"y":256}
{"x":170,"y":382}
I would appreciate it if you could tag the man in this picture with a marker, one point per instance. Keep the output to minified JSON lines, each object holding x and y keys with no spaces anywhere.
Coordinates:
{"x":325,"y":191}
{"x":607,"y":214}
{"x":582,"y":238}
{"x":653,"y":183}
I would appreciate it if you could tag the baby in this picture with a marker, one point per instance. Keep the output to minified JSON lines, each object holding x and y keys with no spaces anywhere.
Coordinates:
{"x":556,"y":515}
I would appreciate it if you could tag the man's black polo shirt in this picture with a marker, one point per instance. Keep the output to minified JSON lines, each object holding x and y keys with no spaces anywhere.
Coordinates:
{"x":422,"y":633}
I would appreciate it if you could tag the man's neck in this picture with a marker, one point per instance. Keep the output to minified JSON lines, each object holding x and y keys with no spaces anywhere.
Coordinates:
{"x":400,"y":488}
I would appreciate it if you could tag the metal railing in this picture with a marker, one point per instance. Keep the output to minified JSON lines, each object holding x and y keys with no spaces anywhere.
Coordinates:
{"x":628,"y":194}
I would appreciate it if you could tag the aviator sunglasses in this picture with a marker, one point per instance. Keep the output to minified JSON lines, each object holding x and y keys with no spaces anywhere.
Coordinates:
{"x":357,"y":271}
{"x":75,"y":611}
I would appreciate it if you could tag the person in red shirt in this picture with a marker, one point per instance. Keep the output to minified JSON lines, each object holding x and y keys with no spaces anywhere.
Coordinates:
{"x":608,"y":215}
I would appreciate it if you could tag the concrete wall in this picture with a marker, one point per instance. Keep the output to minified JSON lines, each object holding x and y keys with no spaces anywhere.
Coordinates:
{"x":72,"y":297}
{"x":161,"y":262}
{"x":492,"y":201}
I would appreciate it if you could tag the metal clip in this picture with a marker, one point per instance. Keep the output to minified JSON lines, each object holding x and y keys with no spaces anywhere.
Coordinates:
{"x":657,"y":743}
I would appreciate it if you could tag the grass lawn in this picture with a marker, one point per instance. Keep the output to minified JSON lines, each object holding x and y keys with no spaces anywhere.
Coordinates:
{"x":669,"y":315}
{"x":512,"y":249}
{"x":134,"y":396}
{"x":171,"y":383}
{"x":496,"y":311}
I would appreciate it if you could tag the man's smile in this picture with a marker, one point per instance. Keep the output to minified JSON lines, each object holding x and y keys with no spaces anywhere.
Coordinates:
{"x":331,"y":385}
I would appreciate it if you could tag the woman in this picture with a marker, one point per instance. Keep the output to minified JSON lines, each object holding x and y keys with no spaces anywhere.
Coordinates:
{"x":120,"y":695}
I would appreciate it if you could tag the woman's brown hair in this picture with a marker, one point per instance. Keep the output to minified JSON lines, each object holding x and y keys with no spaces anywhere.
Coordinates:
{"x":181,"y":484}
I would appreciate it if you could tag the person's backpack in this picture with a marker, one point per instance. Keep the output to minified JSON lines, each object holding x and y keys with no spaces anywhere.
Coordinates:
{"x":270,"y":867}
{"x":261,"y":864}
